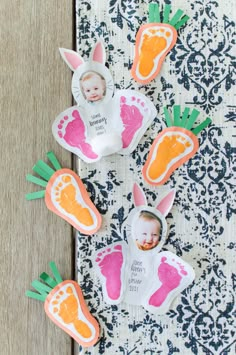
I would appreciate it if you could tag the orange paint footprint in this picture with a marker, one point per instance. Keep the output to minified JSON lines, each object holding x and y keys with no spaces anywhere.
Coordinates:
{"x":66,"y":196}
{"x":154,"y":41}
{"x":65,"y":306}
{"x":173,"y":146}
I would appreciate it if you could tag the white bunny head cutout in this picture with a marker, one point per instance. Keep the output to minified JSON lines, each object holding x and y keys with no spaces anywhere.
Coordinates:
{"x":94,"y":69}
{"x":148,"y":224}
{"x":104,"y":122}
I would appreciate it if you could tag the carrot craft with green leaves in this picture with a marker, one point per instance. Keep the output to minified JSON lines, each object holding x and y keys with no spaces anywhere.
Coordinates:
{"x":64,"y":304}
{"x":65,"y":195}
{"x":173,"y":146}
{"x":154,"y":40}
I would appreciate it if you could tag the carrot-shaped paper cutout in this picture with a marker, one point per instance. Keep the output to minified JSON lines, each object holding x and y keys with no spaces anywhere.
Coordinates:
{"x":173,"y":146}
{"x":65,"y":306}
{"x":65,"y":195}
{"x":154,"y":40}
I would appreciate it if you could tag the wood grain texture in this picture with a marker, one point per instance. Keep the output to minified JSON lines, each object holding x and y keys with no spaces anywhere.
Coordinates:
{"x":35,"y":87}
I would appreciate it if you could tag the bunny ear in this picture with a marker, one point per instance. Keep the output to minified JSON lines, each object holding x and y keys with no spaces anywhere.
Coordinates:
{"x":72,"y":58}
{"x":139,"y":196}
{"x":98,"y":53}
{"x":166,"y":203}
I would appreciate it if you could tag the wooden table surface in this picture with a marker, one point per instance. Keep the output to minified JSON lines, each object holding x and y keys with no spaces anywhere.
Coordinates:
{"x":34,"y":89}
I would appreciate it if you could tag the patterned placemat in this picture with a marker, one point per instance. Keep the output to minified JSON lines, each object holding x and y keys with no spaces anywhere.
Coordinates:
{"x":199,"y":72}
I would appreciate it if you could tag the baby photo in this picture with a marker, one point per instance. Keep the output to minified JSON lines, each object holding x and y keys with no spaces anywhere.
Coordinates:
{"x":93,"y":86}
{"x":146,"y":231}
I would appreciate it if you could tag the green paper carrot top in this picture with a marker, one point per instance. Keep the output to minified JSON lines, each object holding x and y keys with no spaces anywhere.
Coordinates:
{"x":154,"y":40}
{"x":174,"y":145}
{"x":65,"y":195}
{"x":64,"y":304}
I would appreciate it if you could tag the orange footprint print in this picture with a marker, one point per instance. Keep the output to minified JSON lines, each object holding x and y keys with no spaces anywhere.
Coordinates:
{"x":65,"y":195}
{"x":65,"y":306}
{"x":154,"y":41}
{"x":173,"y":146}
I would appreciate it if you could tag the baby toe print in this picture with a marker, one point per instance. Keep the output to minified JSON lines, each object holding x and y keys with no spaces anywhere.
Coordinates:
{"x":135,"y":115}
{"x":68,"y":311}
{"x":66,"y":307}
{"x":154,"y":42}
{"x":152,"y":45}
{"x":173,"y":275}
{"x":70,"y":131}
{"x":170,"y":148}
{"x":67,"y":197}
{"x":110,"y":265}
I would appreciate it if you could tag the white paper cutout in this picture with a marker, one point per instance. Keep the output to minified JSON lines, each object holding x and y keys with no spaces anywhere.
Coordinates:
{"x":101,"y":124}
{"x":138,"y":273}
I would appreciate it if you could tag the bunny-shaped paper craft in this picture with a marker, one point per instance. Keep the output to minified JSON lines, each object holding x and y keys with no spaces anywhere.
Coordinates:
{"x":137,"y":273}
{"x":101,"y":124}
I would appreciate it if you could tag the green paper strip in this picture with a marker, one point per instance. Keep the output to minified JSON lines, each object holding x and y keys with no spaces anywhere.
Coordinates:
{"x":41,"y":172}
{"x":202,"y":125}
{"x":48,"y":280}
{"x":168,"y":118}
{"x":182,"y":22}
{"x":41,"y":164}
{"x":192,"y":119}
{"x":40,"y":287}
{"x":166,"y":13}
{"x":185,"y":117}
{"x":35,"y":195}
{"x":157,"y":17}
{"x":176,"y":18}
{"x":36,"y":180}
{"x":177,"y":121}
{"x":51,"y":156}
{"x":35,"y":296}
{"x":55,"y":272}
{"x":152,"y":9}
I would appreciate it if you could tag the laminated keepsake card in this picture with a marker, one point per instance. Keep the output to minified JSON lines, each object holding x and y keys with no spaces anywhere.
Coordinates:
{"x":174,"y":293}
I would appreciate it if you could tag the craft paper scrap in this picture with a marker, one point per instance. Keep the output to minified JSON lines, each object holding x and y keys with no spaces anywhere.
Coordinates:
{"x":173,"y":146}
{"x":65,"y":306}
{"x":65,"y":195}
{"x":137,"y":273}
{"x":101,"y":124}
{"x":154,"y":41}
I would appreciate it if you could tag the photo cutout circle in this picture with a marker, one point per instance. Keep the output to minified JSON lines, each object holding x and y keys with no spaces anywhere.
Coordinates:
{"x":92,"y":84}
{"x":146,"y":230}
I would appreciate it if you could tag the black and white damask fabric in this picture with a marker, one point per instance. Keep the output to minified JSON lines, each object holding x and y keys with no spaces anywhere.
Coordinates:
{"x":200,"y":73}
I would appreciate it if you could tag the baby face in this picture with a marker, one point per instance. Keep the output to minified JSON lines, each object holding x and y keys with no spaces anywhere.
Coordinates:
{"x":93,"y":88}
{"x":147,"y":233}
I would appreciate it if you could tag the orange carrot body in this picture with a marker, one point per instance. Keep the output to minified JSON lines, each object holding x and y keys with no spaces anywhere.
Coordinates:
{"x":67,"y":197}
{"x":66,"y":307}
{"x":171,"y":148}
{"x":153,"y":43}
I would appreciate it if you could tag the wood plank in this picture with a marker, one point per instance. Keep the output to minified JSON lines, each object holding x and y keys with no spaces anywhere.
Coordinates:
{"x":35,"y":87}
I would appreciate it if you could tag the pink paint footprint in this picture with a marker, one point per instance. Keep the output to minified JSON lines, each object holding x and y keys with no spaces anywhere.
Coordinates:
{"x":110,"y":263}
{"x":170,"y":277}
{"x":75,"y":134}
{"x":132,"y":118}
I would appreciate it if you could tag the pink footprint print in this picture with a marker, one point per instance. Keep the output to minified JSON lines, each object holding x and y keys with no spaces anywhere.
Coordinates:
{"x":132,"y":118}
{"x":110,"y":263}
{"x":170,"y":278}
{"x":75,"y":134}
